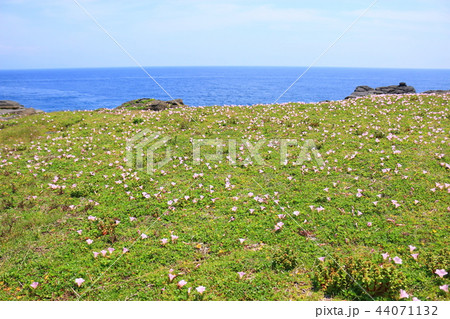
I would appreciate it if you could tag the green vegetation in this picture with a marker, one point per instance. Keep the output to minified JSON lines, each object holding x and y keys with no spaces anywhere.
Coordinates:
{"x":377,"y":211}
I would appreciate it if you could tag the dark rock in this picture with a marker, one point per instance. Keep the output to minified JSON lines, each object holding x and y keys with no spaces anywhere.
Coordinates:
{"x":436,"y":92}
{"x":5,"y":104}
{"x":12,"y":109}
{"x":365,"y":90}
{"x":152,"y":104}
{"x":395,"y":89}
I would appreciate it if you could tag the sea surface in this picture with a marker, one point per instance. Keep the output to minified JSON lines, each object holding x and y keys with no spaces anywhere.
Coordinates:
{"x":89,"y":89}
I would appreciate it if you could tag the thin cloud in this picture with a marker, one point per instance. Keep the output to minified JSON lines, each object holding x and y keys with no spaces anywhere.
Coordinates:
{"x":421,"y":17}
{"x":207,"y":16}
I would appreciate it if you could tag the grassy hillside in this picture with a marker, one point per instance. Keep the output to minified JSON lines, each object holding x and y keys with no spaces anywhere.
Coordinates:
{"x":67,"y":191}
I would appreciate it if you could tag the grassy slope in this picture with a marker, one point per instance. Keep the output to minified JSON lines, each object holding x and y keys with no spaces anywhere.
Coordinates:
{"x":86,"y":151}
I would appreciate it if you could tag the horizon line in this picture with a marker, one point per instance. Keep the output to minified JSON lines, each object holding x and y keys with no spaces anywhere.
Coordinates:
{"x":219,"y":66}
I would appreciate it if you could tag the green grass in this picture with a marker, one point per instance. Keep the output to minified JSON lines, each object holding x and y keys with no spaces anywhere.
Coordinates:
{"x":57,"y":169}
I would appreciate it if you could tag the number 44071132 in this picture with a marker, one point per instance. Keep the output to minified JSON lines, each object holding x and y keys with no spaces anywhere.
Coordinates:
{"x":408,"y":310}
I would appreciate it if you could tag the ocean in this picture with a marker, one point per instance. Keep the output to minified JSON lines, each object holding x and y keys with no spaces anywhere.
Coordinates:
{"x":89,"y":89}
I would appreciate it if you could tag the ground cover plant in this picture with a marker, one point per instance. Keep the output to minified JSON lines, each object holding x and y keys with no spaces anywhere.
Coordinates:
{"x":79,"y":221}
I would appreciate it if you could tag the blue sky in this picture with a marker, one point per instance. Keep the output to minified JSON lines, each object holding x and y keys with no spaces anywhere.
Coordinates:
{"x":57,"y":34}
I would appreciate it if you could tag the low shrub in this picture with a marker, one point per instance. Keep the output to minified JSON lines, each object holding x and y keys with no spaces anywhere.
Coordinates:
{"x":359,"y":279}
{"x":284,"y":259}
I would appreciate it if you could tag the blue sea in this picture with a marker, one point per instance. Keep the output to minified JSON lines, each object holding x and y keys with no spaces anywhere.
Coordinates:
{"x":89,"y":89}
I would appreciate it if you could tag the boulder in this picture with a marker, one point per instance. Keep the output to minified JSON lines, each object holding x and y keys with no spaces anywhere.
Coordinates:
{"x":152,"y":104}
{"x":365,"y":90}
{"x":12,"y":109}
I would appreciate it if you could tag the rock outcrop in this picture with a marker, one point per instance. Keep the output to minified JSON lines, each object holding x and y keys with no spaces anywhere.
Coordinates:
{"x":436,"y":92}
{"x":11,"y":109}
{"x":365,"y":90}
{"x":152,"y":104}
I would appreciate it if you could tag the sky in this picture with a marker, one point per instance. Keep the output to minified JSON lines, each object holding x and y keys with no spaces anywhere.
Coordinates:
{"x":58,"y":34}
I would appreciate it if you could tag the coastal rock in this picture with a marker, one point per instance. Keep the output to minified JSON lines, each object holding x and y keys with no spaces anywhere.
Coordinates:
{"x":12,"y":109}
{"x":436,"y":92}
{"x":6,"y":104}
{"x":365,"y":90}
{"x":152,"y":104}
